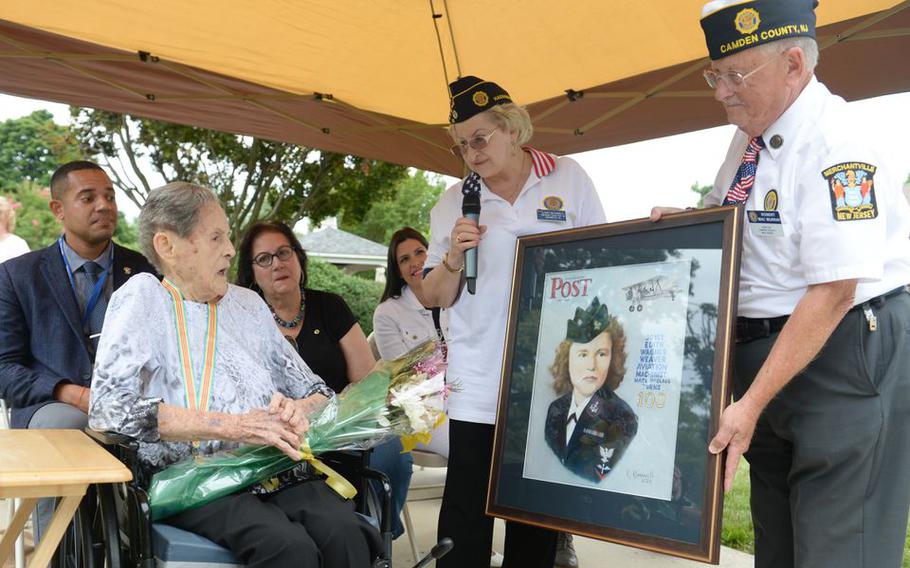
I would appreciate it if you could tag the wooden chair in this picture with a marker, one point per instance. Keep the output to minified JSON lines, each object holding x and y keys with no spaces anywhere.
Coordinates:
{"x":12,"y":504}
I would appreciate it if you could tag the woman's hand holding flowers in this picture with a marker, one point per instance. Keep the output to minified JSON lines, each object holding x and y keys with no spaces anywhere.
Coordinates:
{"x":293,"y":412}
{"x":263,"y":427}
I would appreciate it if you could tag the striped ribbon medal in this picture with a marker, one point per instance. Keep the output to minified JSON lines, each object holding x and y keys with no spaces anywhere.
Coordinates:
{"x":745,"y":175}
{"x":195,"y":399}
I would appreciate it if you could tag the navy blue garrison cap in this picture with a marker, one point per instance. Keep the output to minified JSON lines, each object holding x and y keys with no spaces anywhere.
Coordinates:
{"x":732,"y":26}
{"x":471,"y":95}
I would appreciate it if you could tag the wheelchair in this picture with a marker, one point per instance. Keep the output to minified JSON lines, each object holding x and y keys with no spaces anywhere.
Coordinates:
{"x":115,"y":529}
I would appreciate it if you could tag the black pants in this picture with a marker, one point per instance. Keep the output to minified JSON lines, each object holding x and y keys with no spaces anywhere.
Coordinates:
{"x":830,"y":456}
{"x":307,"y":525}
{"x":463,"y":517}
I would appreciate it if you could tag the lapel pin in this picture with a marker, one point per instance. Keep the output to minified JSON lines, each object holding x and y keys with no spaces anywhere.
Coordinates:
{"x":127,"y":270}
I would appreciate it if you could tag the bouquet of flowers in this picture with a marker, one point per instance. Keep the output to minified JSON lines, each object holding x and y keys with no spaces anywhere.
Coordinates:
{"x":404,"y":398}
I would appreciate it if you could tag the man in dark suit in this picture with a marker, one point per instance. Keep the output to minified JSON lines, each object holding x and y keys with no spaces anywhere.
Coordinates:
{"x":52,"y":303}
{"x":589,"y":427}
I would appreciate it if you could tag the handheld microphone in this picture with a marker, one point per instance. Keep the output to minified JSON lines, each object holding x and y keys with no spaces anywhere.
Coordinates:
{"x":441,"y":549}
{"x":470,"y":208}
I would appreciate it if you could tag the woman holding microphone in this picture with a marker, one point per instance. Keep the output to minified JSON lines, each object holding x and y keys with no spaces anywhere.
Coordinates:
{"x":521,"y":191}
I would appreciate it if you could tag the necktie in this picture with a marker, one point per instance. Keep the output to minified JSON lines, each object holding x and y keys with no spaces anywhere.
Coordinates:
{"x":745,"y":175}
{"x":96,"y":319}
{"x":570,"y":426}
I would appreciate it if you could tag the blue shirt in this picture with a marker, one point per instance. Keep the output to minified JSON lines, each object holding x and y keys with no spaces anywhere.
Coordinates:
{"x":79,"y":276}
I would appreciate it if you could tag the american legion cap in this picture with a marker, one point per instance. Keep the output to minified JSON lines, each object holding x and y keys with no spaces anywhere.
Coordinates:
{"x":732,"y":26}
{"x":471,"y":96}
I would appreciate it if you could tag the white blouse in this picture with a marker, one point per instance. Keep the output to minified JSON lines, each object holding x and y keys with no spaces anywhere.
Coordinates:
{"x":11,"y":247}
{"x":138,"y":364}
{"x":401,"y":324}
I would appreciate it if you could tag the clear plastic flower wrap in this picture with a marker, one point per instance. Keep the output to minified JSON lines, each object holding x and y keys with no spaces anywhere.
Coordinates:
{"x":404,"y":398}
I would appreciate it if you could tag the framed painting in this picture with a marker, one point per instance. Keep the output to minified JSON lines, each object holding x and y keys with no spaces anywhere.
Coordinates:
{"x":616,"y":370}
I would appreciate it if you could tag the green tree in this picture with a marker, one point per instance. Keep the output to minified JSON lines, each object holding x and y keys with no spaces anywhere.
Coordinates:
{"x":254,"y":178}
{"x":362,"y":296}
{"x":34,"y":221}
{"x":702,"y":191}
{"x":408,"y":206}
{"x":127,"y":232}
{"x":31,"y":148}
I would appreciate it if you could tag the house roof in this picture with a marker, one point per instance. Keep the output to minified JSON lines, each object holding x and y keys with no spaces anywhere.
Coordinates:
{"x":334,"y":242}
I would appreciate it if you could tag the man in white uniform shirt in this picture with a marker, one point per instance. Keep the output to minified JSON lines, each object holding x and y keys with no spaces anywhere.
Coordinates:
{"x":822,"y":409}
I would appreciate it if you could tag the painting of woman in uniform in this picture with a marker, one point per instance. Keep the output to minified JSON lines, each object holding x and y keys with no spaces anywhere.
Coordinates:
{"x":589,"y":426}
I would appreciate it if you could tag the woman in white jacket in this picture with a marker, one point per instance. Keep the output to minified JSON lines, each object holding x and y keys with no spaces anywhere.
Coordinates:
{"x":403,"y":318}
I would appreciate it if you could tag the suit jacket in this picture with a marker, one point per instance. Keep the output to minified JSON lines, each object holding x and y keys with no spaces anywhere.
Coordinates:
{"x":601,"y":436}
{"x":41,"y":339}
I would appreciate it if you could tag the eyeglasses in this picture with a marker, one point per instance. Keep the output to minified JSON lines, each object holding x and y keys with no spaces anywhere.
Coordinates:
{"x":264,"y":259}
{"x":478,"y":142}
{"x":733,"y":79}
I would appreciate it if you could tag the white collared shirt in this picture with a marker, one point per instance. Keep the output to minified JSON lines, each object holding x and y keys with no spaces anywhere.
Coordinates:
{"x":477,"y":323}
{"x":576,"y":410}
{"x":818,"y":131}
{"x":401,"y":324}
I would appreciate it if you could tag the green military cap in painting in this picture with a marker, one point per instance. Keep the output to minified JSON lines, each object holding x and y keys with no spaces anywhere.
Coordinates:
{"x":588,"y":324}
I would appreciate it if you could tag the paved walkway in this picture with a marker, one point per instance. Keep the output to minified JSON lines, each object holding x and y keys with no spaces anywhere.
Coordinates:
{"x":591,"y":553}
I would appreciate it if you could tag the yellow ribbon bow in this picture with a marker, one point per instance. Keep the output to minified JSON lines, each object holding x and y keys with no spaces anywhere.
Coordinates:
{"x":333,"y":479}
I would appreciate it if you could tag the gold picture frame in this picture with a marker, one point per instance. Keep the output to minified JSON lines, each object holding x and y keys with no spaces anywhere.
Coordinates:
{"x":616,"y":369}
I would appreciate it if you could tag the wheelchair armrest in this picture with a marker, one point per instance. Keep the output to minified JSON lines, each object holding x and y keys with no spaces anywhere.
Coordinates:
{"x":385,"y":498}
{"x":124,"y":448}
{"x":111,"y":438}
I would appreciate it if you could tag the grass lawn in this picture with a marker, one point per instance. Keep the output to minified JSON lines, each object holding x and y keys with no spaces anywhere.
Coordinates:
{"x":737,"y":528}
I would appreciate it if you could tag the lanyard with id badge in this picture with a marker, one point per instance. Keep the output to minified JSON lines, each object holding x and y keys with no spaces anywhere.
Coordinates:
{"x":92,"y":300}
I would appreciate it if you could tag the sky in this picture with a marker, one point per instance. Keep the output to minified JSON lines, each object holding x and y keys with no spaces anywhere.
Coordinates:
{"x":634,"y":177}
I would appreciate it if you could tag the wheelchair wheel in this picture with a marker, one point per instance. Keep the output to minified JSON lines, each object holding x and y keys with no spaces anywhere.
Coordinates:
{"x":79,"y":545}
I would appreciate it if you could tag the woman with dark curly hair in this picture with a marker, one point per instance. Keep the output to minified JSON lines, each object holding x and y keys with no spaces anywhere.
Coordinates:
{"x":319,"y":324}
{"x":589,"y":426}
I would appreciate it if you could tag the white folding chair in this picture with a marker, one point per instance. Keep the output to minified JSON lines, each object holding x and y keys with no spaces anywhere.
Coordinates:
{"x":371,"y":341}
{"x":12,"y":504}
{"x":427,"y":483}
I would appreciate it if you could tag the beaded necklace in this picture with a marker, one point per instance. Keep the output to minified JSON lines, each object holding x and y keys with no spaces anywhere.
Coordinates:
{"x":293,"y":323}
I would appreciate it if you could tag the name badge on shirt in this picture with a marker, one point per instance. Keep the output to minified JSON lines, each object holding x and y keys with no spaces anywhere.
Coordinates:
{"x":547,"y":215}
{"x":765,"y":223}
{"x":553,"y":209}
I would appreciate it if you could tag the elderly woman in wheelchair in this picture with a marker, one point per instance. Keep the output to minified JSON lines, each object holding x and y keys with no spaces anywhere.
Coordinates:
{"x":191,"y":365}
